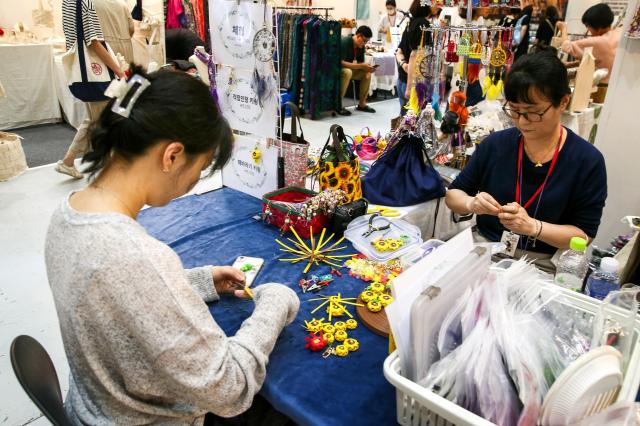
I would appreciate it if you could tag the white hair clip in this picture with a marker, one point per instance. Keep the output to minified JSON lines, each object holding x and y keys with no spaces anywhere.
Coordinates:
{"x":126,"y":93}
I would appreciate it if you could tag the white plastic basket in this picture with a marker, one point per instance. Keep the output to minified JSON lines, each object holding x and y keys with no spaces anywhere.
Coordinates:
{"x":417,"y":405}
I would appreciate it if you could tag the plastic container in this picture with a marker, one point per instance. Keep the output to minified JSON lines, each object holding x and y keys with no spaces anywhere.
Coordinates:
{"x":417,"y":405}
{"x":572,"y":265}
{"x":604,"y":280}
{"x":398,"y":229}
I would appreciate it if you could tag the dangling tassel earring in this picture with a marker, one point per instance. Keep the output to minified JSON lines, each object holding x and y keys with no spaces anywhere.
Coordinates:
{"x":421,"y":93}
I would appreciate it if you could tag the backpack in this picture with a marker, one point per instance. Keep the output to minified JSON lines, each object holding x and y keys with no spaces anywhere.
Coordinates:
{"x":517,"y":32}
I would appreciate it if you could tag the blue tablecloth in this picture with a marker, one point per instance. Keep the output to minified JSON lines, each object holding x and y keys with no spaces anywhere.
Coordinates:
{"x":216,"y":228}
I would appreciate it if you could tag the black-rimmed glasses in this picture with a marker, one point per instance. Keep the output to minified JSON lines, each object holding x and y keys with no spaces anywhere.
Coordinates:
{"x":533,"y":117}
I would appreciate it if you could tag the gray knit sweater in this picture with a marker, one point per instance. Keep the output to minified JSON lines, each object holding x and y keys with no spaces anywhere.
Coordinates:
{"x":141,"y":343}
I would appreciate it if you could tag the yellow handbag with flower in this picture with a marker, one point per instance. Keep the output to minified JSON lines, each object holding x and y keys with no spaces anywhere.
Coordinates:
{"x":339,"y":167}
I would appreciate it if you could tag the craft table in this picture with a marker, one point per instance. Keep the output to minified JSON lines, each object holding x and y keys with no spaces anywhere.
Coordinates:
{"x":216,"y":228}
{"x":26,"y":72}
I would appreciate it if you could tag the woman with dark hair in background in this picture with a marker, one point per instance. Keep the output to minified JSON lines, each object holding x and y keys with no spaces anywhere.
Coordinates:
{"x":415,"y":33}
{"x":547,"y":26}
{"x":521,"y":33}
{"x":141,"y":343}
{"x":409,"y":44}
{"x":538,"y":182}
{"x":387,"y":22}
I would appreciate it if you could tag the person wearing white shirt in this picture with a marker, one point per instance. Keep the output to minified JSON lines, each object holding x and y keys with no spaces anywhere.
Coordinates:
{"x":387,"y":21}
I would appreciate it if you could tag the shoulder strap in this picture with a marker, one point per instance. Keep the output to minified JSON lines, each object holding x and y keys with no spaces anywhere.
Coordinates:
{"x":80,"y":41}
{"x":336,"y":134}
{"x":295,"y":121}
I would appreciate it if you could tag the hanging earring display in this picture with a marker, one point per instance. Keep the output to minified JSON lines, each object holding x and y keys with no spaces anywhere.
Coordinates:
{"x":264,"y":42}
{"x":499,"y":56}
{"x":264,"y":45}
{"x":426,"y":63}
{"x":464,"y":45}
{"x":451,"y":55}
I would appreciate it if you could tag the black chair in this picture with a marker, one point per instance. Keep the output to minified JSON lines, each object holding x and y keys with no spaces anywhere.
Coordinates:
{"x":37,"y":375}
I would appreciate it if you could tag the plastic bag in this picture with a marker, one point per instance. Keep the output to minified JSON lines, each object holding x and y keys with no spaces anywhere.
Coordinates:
{"x":613,"y":324}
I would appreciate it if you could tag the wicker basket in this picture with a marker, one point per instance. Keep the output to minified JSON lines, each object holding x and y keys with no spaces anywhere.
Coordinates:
{"x":12,"y":160}
{"x":278,"y":214}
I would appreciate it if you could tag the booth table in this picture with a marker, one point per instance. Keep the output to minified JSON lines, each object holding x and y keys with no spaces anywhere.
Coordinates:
{"x":26,"y":72}
{"x":385,"y":76}
{"x":216,"y":228}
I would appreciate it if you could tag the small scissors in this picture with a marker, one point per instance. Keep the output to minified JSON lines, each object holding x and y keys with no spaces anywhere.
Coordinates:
{"x":384,"y":211}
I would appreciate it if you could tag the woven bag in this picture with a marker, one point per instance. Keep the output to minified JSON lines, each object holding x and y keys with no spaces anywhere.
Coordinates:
{"x":12,"y":159}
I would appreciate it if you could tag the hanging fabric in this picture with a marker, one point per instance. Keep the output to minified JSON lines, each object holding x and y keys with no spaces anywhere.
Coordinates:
{"x":309,"y":61}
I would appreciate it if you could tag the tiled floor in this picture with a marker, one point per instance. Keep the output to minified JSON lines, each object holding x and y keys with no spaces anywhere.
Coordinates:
{"x":26,"y":305}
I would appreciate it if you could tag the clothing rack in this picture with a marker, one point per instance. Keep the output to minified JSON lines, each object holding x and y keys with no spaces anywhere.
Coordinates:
{"x":307,"y":8}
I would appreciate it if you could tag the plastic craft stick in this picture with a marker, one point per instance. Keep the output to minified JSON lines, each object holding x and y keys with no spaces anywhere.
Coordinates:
{"x":296,"y":243}
{"x":298,"y":237}
{"x":326,"y":241}
{"x":321,"y":237}
{"x":313,"y":244}
{"x":336,"y":243}
{"x":288,"y":248}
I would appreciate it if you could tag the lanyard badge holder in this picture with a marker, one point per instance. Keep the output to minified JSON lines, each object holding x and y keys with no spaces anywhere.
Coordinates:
{"x":510,"y":239}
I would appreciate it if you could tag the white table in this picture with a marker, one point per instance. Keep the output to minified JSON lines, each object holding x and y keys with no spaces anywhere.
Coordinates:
{"x":386,"y":75}
{"x":26,"y":72}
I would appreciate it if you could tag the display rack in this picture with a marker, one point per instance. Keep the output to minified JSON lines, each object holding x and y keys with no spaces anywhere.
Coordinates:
{"x":307,"y":8}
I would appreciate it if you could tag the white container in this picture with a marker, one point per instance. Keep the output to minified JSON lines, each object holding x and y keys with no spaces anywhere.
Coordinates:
{"x":397,"y":228}
{"x":417,"y":405}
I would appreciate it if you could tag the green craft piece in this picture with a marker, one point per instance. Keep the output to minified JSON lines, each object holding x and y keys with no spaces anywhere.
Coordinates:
{"x":247,"y":267}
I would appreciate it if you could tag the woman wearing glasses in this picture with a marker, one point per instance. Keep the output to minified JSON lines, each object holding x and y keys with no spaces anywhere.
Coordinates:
{"x":538,"y":184}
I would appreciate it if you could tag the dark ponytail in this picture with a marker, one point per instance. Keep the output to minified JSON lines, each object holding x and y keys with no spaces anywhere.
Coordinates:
{"x":175,"y":107}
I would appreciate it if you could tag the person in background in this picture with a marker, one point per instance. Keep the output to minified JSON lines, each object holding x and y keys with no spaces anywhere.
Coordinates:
{"x":181,"y":42}
{"x":605,"y":40}
{"x":102,"y":20}
{"x":547,"y":27}
{"x":387,"y":22}
{"x":538,"y":180}
{"x":509,"y":20}
{"x":354,"y":68}
{"x":142,"y":345}
{"x":434,"y":17}
{"x":403,"y":53}
{"x":522,"y":25}
{"x":416,"y":33}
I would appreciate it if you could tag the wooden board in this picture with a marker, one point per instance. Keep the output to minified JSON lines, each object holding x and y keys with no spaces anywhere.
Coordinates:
{"x":374,"y":321}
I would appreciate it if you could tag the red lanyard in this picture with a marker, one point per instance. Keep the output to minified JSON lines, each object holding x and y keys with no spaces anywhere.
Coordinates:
{"x":551,"y":167}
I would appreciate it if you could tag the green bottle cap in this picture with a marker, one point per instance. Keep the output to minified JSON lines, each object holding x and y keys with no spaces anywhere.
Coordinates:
{"x":578,"y":244}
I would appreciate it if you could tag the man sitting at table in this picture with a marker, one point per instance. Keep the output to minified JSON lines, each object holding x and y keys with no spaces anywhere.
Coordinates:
{"x":354,"y":68}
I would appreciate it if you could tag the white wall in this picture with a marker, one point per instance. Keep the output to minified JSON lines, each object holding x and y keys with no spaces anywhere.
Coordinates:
{"x":619,"y":136}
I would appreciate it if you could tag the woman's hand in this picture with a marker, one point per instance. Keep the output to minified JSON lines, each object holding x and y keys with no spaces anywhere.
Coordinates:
{"x":484,"y":203}
{"x":516,"y":219}
{"x":228,"y":280}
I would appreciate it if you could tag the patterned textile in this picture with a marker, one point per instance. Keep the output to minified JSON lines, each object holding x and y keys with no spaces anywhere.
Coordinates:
{"x":309,"y":61}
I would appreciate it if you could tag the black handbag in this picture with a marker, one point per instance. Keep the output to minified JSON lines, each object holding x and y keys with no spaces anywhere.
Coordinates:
{"x":344,"y":214}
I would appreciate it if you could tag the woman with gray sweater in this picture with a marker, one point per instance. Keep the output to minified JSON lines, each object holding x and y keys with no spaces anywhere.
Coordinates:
{"x":141,"y":343}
